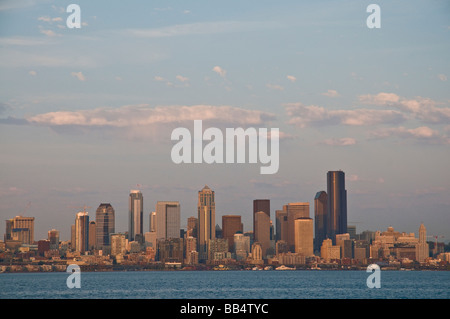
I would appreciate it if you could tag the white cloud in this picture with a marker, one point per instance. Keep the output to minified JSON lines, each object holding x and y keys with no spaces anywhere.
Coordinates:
{"x":201,"y":28}
{"x":79,"y":76}
{"x":345,"y":141}
{"x":291,"y":78}
{"x":182,"y":78}
{"x":422,"y":133}
{"x":442,"y":77}
{"x":303,"y":116}
{"x":49,"y":33}
{"x":379,"y":99}
{"x":423,"y":109}
{"x":32,"y":72}
{"x":143,"y":121}
{"x":45,"y":19}
{"x":331,"y":93}
{"x":222,"y":72}
{"x":275,"y":87}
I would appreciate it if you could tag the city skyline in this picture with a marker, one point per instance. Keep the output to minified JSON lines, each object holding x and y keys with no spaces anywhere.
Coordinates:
{"x":169,"y":220}
{"x":86,"y":114}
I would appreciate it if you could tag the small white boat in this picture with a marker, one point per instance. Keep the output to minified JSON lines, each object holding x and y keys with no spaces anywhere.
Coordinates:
{"x":283,"y":267}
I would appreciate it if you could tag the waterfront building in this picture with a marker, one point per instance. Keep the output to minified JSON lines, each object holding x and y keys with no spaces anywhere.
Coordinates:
{"x":119,"y":244}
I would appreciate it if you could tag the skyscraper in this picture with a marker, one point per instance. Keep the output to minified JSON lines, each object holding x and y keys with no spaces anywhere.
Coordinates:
{"x":422,"y":248}
{"x":105,"y":223}
{"x":192,"y":226}
{"x":337,"y":204}
{"x":152,"y":222}
{"x":303,"y":229}
{"x":260,"y":205}
{"x":135,"y":215}
{"x":294,"y":211}
{"x":82,"y":232}
{"x":281,"y":225}
{"x":92,"y":242}
{"x":231,"y":224}
{"x":320,"y":218}
{"x":206,"y":221}
{"x":167,"y":220}
{"x":262,"y":231}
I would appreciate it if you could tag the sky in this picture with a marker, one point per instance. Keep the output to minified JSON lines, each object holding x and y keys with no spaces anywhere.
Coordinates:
{"x":86,"y":114}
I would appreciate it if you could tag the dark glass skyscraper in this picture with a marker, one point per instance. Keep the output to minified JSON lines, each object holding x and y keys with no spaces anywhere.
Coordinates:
{"x":105,"y":224}
{"x":337,"y":204}
{"x":320,"y":218}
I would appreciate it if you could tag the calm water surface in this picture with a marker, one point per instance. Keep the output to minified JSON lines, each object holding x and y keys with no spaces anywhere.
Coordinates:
{"x":228,"y":285}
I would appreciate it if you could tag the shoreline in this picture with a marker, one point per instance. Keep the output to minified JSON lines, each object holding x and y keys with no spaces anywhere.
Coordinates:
{"x":62,"y":269}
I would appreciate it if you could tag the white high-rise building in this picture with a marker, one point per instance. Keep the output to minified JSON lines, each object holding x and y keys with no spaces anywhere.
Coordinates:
{"x":135,"y":215}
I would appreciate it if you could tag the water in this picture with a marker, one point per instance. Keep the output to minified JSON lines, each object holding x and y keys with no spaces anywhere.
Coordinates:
{"x":228,"y":285}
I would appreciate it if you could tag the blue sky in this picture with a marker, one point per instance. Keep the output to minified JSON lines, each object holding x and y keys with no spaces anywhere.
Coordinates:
{"x":86,"y":114}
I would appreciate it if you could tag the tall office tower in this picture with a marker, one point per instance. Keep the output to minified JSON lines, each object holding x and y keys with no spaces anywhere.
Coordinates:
{"x":422,"y":248}
{"x":192,"y":226}
{"x":294,"y":211}
{"x":337,"y":204}
{"x":135,"y":215}
{"x":260,"y":205}
{"x":281,"y":225}
{"x":320,"y":218}
{"x":105,"y":220}
{"x":262,"y":231}
{"x":304,"y":236}
{"x":167,"y":220}
{"x":92,"y":235}
{"x":53,"y":237}
{"x":206,"y":221}
{"x":152,"y":222}
{"x":82,"y":232}
{"x":20,"y":228}
{"x":231,"y":224}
